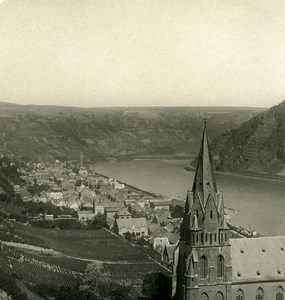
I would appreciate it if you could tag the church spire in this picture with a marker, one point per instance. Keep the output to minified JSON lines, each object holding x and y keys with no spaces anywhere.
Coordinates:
{"x":204,"y":180}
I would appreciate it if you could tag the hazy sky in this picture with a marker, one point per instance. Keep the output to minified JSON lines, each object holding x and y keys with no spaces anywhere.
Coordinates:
{"x":138,"y":52}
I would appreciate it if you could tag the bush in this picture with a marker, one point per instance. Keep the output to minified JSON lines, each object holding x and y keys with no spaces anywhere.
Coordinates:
{"x":156,"y":286}
{"x":7,"y":284}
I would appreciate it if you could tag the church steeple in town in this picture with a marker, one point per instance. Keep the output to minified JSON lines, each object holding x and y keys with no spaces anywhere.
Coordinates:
{"x":204,"y":208}
{"x":202,"y":257}
{"x":204,"y":181}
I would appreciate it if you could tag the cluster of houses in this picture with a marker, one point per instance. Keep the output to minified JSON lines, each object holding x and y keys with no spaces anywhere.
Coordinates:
{"x":127,"y":210}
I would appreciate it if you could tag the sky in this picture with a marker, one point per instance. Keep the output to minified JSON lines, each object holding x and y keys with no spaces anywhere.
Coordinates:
{"x":142,"y":53}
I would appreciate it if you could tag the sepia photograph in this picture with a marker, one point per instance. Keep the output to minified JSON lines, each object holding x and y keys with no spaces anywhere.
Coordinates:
{"x":142,"y":149}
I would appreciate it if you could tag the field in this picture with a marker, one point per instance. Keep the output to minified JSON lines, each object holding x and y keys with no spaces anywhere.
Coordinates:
{"x":40,"y":270}
{"x":134,"y":273}
{"x":88,"y":244}
{"x":76,"y":249}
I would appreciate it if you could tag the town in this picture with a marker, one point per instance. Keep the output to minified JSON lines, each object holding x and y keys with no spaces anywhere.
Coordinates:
{"x":81,"y":197}
{"x":84,"y":196}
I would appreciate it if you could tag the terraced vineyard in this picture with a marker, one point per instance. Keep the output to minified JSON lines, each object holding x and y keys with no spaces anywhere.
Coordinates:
{"x":88,"y":244}
{"x":75,"y":250}
{"x":127,"y":271}
{"x":40,"y":270}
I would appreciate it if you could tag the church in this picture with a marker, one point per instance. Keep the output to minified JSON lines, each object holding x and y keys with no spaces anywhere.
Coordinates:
{"x":208,"y":263}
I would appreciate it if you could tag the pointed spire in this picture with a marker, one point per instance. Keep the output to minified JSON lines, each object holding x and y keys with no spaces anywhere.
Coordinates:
{"x":224,"y":224}
{"x":195,"y":224}
{"x":204,"y":180}
{"x":220,"y":199}
{"x":189,"y":202}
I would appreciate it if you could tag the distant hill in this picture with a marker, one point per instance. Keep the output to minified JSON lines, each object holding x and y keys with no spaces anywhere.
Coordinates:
{"x":46,"y":133}
{"x":258,"y":145}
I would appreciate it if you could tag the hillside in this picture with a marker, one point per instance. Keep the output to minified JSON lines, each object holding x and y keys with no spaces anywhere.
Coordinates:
{"x":258,"y":145}
{"x":48,"y":132}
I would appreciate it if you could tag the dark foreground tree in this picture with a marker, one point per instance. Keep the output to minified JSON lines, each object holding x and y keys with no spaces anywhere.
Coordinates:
{"x":67,"y":293}
{"x":156,"y":286}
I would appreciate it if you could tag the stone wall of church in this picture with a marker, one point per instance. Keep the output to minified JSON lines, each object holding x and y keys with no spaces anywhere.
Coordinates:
{"x":216,"y":292}
{"x":212,"y":284}
{"x":249,"y":290}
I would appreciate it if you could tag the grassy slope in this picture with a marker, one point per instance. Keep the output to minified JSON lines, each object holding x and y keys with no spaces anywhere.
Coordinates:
{"x":96,"y":245}
{"x":87,"y":244}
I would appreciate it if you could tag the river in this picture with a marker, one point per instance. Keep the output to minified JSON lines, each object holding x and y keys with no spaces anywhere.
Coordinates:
{"x":261,"y":203}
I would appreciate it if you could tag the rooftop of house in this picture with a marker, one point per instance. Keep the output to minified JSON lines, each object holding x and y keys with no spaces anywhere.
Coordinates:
{"x":86,"y":212}
{"x":169,"y":250}
{"x":162,"y":203}
{"x":257,"y":259}
{"x":112,"y":209}
{"x":162,"y":241}
{"x":130,"y":223}
{"x":123,"y":212}
{"x":56,"y":190}
{"x":163,"y":213}
{"x":25,"y":193}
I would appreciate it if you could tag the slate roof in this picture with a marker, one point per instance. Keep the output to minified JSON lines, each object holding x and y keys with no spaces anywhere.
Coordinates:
{"x":112,"y":209}
{"x":257,"y":259}
{"x":25,"y":193}
{"x":86,"y":212}
{"x":129,"y":223}
{"x":170,"y":250}
{"x":204,"y":180}
{"x":123,"y":212}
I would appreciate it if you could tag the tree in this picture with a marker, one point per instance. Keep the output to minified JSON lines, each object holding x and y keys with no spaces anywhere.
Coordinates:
{"x":103,"y":285}
{"x":99,"y":221}
{"x":97,"y":280}
{"x":7,"y":284}
{"x":67,"y":293}
{"x":121,"y":293}
{"x":156,"y":286}
{"x":128,"y":236}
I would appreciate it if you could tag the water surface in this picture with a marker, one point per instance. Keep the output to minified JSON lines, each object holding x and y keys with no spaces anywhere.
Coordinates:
{"x":261,"y":203}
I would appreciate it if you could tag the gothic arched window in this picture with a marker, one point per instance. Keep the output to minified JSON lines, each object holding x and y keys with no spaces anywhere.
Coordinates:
{"x":219,"y":296}
{"x":280,"y":293}
{"x":259,"y":294}
{"x":221,"y":266}
{"x":204,"y":296}
{"x":240,"y":295}
{"x":204,"y":267}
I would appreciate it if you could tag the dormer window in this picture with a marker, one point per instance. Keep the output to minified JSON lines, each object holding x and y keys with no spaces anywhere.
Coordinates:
{"x":241,"y":251}
{"x":238,"y":274}
{"x":258,"y":273}
{"x":263,"y":250}
{"x":278,"y":271}
{"x":282,"y":248}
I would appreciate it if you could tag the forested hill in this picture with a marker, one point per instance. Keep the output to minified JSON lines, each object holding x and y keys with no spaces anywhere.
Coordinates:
{"x":258,"y":145}
{"x":34,"y":132}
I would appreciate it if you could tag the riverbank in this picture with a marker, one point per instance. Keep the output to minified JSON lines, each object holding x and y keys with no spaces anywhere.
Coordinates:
{"x":230,"y":213}
{"x":259,"y":202}
{"x":267,"y":177}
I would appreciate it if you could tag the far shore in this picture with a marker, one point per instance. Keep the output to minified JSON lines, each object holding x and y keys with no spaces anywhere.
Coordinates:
{"x":267,"y":177}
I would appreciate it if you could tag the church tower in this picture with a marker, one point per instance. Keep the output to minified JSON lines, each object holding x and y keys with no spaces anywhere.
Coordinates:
{"x":202,"y":264}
